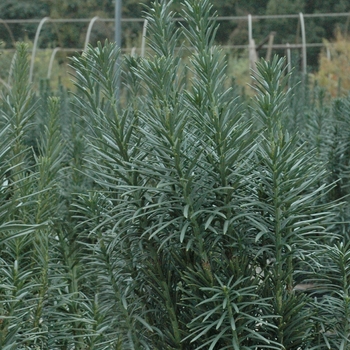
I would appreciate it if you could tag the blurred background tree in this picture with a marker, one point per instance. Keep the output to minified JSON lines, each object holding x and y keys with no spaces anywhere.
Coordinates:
{"x":21,"y":9}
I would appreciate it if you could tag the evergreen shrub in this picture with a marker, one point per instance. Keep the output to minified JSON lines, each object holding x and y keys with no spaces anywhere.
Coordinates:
{"x":151,"y":209}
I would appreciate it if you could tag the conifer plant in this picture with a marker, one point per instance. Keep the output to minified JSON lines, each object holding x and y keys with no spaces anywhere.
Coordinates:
{"x":153,"y":210}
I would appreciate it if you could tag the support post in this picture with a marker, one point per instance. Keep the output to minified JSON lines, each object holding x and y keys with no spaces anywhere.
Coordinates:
{"x":250,"y":28}
{"x":270,"y":44}
{"x":118,"y":42}
{"x":118,"y":22}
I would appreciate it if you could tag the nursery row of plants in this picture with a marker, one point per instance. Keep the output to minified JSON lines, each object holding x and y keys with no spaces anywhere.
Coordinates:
{"x":155,"y":208}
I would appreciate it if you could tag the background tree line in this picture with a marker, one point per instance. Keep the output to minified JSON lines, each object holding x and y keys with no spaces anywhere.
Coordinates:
{"x":230,"y":32}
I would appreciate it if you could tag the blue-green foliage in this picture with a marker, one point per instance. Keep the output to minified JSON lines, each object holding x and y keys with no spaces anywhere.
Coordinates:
{"x":151,"y":209}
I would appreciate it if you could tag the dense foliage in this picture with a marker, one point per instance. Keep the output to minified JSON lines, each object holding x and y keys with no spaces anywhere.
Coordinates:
{"x":156,"y":209}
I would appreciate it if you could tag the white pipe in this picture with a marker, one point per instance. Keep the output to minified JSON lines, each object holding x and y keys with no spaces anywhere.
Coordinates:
{"x":51,"y":61}
{"x":88,"y":33}
{"x":36,"y":39}
{"x":289,"y":58}
{"x":303,"y":39}
{"x":144,"y":32}
{"x":251,"y":45}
